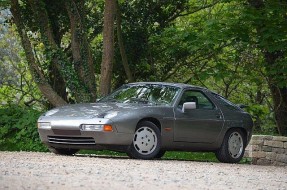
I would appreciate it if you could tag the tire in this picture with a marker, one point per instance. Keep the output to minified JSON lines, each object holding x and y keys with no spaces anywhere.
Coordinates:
{"x":160,"y":154}
{"x":233,"y":147}
{"x":63,"y":151}
{"x":146,"y":142}
{"x":129,"y":154}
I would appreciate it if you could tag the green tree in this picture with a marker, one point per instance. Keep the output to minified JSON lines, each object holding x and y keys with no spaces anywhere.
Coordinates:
{"x":217,"y":48}
{"x":16,"y":84}
{"x":67,"y":61}
{"x":140,"y":20}
{"x":268,"y":24}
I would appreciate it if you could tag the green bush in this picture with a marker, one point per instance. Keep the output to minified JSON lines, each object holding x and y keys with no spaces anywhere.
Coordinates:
{"x":18,"y":130}
{"x":264,"y":123}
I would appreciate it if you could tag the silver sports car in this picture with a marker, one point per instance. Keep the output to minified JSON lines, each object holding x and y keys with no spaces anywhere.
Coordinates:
{"x":148,"y":118}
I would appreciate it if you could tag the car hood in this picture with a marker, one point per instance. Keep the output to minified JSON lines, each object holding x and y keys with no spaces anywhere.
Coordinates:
{"x":91,"y":110}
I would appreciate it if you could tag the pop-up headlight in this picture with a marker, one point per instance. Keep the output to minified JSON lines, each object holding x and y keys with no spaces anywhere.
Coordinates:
{"x":51,"y":112}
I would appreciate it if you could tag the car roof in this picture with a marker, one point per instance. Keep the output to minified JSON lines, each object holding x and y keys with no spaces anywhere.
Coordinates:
{"x":180,"y":85}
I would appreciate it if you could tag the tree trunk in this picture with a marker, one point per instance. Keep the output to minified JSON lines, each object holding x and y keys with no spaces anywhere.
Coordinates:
{"x":56,"y":79}
{"x":36,"y":72}
{"x":279,"y":95}
{"x":42,"y":20}
{"x":108,"y":47}
{"x":80,"y":82}
{"x":57,"y":82}
{"x":121,"y":45}
{"x":82,"y":56}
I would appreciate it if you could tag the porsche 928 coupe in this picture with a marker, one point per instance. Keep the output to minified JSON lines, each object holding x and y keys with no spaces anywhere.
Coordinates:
{"x":146,"y":119}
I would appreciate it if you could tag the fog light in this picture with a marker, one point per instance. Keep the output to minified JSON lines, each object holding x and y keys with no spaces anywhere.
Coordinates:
{"x":44,"y":125}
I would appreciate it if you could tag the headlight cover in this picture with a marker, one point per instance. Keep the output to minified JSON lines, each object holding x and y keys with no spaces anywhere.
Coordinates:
{"x":44,"y":125}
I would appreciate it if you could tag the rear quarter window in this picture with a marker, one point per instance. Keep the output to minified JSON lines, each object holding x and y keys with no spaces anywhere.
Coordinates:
{"x":226,"y":103}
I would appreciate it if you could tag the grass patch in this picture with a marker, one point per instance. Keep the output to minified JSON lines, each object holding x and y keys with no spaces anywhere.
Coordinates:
{"x":102,"y":153}
{"x":169,"y":155}
{"x":193,"y":156}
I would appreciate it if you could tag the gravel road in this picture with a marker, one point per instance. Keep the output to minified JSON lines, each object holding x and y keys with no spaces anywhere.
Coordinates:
{"x":30,"y":170}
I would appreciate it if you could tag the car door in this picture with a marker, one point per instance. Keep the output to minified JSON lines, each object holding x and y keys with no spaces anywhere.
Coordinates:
{"x":200,"y":125}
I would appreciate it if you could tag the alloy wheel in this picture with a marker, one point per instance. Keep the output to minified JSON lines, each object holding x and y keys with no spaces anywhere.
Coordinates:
{"x":235,"y":145}
{"x":145,"y":140}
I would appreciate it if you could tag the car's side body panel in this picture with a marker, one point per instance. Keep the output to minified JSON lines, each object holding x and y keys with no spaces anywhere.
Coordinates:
{"x":197,"y":126}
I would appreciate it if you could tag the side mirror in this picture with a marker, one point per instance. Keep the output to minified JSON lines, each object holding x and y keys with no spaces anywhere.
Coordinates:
{"x":188,"y":106}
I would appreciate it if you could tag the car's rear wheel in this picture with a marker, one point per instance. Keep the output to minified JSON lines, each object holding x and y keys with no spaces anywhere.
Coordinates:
{"x":232,"y":148}
{"x":160,"y":154}
{"x":63,"y":151}
{"x":146,"y":142}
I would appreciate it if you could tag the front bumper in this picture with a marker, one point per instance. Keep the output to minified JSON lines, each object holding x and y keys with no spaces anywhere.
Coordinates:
{"x":68,"y":134}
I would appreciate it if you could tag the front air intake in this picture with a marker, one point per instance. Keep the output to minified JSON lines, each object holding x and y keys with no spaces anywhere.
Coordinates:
{"x":71,"y":140}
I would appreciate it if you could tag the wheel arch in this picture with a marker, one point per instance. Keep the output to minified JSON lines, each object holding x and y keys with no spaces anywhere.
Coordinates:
{"x":153,"y":120}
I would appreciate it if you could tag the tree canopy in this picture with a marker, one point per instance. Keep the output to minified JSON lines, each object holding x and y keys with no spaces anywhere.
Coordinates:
{"x":76,"y":50}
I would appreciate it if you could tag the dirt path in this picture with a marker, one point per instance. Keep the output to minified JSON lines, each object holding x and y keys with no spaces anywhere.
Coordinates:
{"x":27,"y":170}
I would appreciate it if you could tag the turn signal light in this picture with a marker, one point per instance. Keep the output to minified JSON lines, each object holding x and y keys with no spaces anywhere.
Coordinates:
{"x":108,"y":128}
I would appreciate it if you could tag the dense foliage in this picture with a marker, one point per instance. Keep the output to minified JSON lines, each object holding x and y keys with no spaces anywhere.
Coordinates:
{"x":18,"y":130}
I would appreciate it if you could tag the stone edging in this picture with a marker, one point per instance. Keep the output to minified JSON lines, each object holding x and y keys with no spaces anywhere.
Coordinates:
{"x":267,"y":150}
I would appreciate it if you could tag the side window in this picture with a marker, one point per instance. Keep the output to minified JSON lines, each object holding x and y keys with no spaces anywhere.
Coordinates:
{"x":202,"y":102}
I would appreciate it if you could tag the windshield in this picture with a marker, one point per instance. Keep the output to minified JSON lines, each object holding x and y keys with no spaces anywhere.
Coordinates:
{"x":154,"y":94}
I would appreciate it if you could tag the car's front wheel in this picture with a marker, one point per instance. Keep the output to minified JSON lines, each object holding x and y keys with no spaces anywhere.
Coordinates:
{"x":232,"y":148}
{"x":146,"y":142}
{"x":63,"y":151}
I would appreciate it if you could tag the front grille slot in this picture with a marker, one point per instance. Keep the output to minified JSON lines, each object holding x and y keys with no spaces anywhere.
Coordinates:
{"x":71,"y":140}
